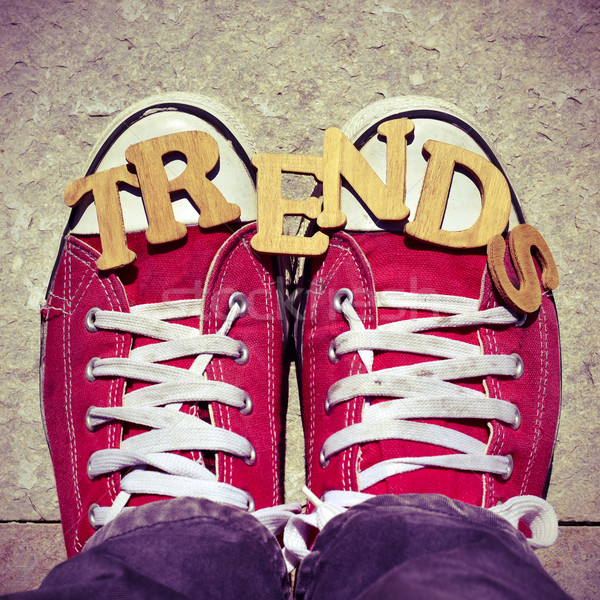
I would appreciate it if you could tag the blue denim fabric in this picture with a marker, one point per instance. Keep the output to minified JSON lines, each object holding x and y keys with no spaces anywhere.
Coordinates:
{"x":179,"y":548}
{"x":422,"y":547}
{"x":411,"y":547}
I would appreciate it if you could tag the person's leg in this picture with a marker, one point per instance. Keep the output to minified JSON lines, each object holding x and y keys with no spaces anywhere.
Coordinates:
{"x":179,"y":548}
{"x":422,"y":547}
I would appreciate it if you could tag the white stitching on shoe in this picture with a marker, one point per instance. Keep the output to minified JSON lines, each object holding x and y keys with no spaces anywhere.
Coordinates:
{"x":75,"y":298}
{"x":435,"y":379}
{"x":417,"y":381}
{"x":86,"y":257}
{"x":323,"y":282}
{"x":270,"y":291}
{"x":222,"y":413}
{"x":498,"y":439}
{"x":356,"y":406}
{"x":68,"y":390}
{"x":311,"y":370}
{"x":114,"y":429}
{"x":490,"y":483}
{"x":74,"y":251}
{"x":155,"y":446}
{"x":540,"y":400}
{"x":271,"y":380}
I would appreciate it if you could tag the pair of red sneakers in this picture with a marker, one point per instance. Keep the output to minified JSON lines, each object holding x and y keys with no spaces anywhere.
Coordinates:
{"x":165,"y":376}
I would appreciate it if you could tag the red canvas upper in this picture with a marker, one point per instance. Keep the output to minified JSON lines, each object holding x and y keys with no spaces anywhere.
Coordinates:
{"x":369,"y":262}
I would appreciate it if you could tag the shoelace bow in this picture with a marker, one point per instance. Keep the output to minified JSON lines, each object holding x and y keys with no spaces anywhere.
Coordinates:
{"x":420,"y":391}
{"x":149,"y":458}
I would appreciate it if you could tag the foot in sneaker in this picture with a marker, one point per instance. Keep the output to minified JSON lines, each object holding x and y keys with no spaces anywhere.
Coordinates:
{"x":147,"y":347}
{"x":417,"y":374}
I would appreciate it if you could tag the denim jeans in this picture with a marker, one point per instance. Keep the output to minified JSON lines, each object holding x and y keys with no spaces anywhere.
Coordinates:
{"x":412,"y":547}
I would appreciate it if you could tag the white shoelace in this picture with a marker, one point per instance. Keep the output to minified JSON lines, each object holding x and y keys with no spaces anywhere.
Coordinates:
{"x":157,"y":407}
{"x":421,"y":391}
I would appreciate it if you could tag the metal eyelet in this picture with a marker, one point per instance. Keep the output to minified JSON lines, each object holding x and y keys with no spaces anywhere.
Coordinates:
{"x":241,"y":300}
{"x":324,"y":462}
{"x":509,"y":470}
{"x":251,"y":460}
{"x":327,"y":405}
{"x":251,"y":504}
{"x":244,"y":356}
{"x":248,"y":407}
{"x":90,"y":320}
{"x":517,"y":422}
{"x":341,"y":295}
{"x":520,"y":367}
{"x":91,"y":516}
{"x":89,"y":423}
{"x":89,"y":369}
{"x":334,"y":359}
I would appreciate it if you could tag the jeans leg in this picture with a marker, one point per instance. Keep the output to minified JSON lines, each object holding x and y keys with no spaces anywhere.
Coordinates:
{"x":179,"y":548}
{"x":422,"y":547}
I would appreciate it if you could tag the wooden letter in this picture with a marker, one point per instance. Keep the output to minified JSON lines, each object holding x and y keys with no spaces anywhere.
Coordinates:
{"x":522,"y":240}
{"x":272,"y":207}
{"x":104,"y":186}
{"x":495,"y":195}
{"x":202,"y":154}
{"x":342,"y":158}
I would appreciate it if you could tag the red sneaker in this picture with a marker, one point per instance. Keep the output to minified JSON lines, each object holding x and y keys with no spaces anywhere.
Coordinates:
{"x":416,"y":376}
{"x":148,"y":369}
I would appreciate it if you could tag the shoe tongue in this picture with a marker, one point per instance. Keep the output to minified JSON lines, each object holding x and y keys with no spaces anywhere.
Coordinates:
{"x":399,"y":263}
